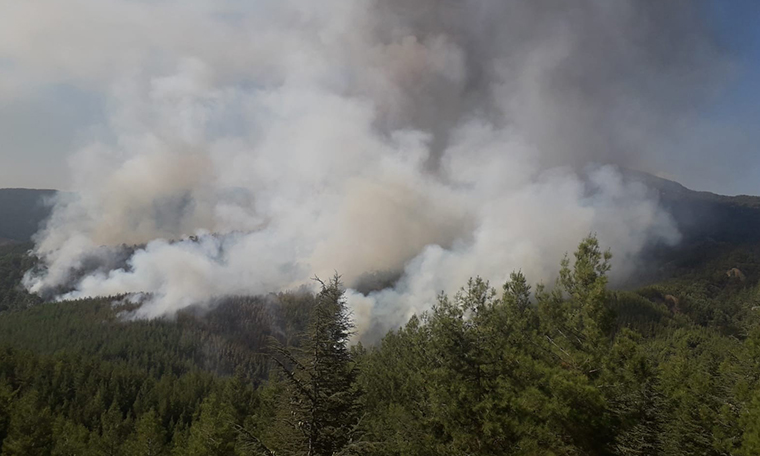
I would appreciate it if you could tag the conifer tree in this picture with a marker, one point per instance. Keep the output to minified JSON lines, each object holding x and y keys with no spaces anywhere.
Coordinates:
{"x":323,"y":407}
{"x":586,"y":285}
{"x":31,"y":428}
{"x":70,"y":439}
{"x":149,"y":437}
{"x":113,"y":429}
{"x":213,"y":434}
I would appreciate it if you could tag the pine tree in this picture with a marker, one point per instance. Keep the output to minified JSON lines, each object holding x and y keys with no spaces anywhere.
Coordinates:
{"x":213,"y":434}
{"x":323,"y":408}
{"x":149,"y":437}
{"x":576,"y":315}
{"x":113,"y":429}
{"x":6,"y":405}
{"x":70,"y":439}
{"x":31,"y":428}
{"x":586,"y":285}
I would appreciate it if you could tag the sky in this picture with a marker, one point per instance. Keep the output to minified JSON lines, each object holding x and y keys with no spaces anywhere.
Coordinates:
{"x":243,"y":147}
{"x":61,"y":65}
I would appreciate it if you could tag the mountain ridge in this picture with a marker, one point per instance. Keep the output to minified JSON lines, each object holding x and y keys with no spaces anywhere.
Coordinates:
{"x":22,"y":212}
{"x":699,"y":215}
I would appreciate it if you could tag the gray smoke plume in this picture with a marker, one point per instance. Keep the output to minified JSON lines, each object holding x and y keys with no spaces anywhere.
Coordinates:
{"x":250,"y":147}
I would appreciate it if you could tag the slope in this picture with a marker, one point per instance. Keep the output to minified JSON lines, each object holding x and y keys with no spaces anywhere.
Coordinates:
{"x":21,"y":213}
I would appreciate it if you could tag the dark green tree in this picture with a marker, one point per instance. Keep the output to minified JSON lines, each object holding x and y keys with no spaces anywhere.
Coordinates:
{"x":114,"y":429}
{"x":322,"y":412}
{"x":213,"y":434}
{"x":148,"y":438}
{"x":70,"y":439}
{"x":31,"y":428}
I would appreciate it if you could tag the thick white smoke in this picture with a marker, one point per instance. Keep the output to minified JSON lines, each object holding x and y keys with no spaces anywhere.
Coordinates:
{"x":434,"y":139}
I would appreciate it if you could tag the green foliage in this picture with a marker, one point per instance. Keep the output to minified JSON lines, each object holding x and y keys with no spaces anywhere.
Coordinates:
{"x":321,"y":414}
{"x":572,"y":369}
{"x":148,"y":438}
{"x":233,"y":336}
{"x":14,"y":262}
{"x":30,"y":432}
{"x":565,"y":373}
{"x":70,"y":439}
{"x":213,"y":433}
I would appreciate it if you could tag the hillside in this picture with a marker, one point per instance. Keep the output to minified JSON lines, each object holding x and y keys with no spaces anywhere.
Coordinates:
{"x":21,"y":212}
{"x":668,"y":367}
{"x":703,"y":218}
{"x":718,"y":233}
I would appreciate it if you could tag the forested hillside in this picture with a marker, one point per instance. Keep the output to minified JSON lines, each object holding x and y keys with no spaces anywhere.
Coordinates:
{"x":568,"y":369}
{"x":379,"y":228}
{"x":667,"y":367}
{"x":712,"y":227}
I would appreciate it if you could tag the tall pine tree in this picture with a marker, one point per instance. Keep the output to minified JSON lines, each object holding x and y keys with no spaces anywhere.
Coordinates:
{"x":323,"y":412}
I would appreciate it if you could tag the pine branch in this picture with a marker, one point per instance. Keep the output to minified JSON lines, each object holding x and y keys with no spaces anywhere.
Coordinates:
{"x":305,"y":391}
{"x":255,"y":441}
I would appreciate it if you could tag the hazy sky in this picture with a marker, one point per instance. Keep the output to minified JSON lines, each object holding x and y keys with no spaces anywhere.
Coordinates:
{"x":428,"y":139}
{"x":61,"y":63}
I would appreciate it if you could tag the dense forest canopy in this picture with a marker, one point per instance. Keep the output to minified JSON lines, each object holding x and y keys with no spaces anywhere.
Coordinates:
{"x":515,"y":368}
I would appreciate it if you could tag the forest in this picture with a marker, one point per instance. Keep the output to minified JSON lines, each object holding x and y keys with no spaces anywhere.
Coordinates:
{"x":573,"y":368}
{"x":379,"y":228}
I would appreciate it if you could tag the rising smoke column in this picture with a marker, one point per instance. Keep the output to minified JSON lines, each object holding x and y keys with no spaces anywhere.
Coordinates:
{"x":435,"y":139}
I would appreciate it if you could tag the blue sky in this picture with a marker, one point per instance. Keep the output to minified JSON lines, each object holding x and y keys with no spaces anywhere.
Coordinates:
{"x":737,"y":107}
{"x":723,"y":155}
{"x":738,"y":22}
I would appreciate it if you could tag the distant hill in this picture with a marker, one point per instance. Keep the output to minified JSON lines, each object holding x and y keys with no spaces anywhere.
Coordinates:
{"x":718,"y":232}
{"x":21,"y":213}
{"x":701,"y":215}
{"x":710,"y":224}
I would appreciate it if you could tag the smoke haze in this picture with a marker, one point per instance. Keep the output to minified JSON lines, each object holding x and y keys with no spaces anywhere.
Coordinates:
{"x":432,"y":139}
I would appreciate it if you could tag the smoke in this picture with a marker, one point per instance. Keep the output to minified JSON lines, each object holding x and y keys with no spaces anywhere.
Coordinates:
{"x":248,"y":148}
